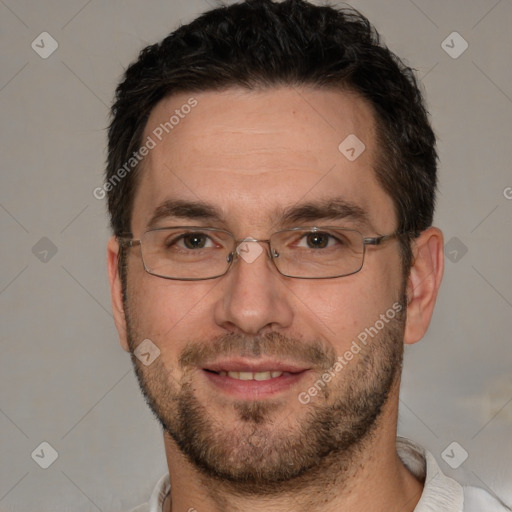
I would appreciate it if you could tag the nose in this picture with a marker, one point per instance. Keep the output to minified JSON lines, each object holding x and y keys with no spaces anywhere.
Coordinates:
{"x":253,"y":296}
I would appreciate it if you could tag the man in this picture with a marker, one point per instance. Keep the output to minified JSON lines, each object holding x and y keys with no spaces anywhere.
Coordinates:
{"x":271,"y":179}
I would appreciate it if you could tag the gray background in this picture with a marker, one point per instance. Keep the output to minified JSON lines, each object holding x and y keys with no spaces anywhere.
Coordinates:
{"x":64,"y":378}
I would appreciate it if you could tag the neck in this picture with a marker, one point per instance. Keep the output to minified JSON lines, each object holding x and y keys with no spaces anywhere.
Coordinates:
{"x":339,"y":482}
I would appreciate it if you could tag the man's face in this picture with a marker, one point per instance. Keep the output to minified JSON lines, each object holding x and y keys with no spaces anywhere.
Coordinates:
{"x":252,"y":156}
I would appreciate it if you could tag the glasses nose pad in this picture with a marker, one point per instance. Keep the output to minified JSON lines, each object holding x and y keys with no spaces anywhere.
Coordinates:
{"x":241,"y":249}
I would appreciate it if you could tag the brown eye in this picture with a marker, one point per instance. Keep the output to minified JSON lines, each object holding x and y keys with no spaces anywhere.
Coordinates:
{"x":194,"y":240}
{"x":317,"y":240}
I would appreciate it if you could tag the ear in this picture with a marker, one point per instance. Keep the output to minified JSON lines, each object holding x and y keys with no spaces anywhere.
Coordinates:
{"x":116,"y":292}
{"x":423,"y":284}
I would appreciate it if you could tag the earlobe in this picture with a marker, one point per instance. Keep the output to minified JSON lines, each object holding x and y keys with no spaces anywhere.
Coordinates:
{"x":423,"y":284}
{"x":116,"y":291}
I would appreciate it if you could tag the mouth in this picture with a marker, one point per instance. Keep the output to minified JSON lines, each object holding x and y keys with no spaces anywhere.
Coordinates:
{"x":246,"y":380}
{"x":259,"y":376}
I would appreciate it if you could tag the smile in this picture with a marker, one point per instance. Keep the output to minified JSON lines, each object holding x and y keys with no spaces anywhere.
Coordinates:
{"x":253,"y":383}
{"x":253,"y":375}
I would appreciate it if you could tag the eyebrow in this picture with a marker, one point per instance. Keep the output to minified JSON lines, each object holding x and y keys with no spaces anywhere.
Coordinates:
{"x":180,"y":208}
{"x":335,"y":208}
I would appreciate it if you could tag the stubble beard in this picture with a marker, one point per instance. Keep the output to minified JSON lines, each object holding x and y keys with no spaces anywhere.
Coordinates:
{"x":260,"y":453}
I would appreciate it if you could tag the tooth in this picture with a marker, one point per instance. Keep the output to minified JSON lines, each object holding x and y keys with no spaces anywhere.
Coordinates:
{"x":261,"y":375}
{"x":266,"y":375}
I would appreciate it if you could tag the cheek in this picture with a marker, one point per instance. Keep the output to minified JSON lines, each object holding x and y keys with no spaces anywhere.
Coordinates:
{"x":164,"y":310}
{"x":339,"y":310}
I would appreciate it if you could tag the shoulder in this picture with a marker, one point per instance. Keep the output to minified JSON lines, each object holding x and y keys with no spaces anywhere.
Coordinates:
{"x":441,"y":492}
{"x":476,"y":500}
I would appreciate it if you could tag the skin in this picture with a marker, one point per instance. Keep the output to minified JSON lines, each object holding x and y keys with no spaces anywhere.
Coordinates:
{"x":248,"y":153}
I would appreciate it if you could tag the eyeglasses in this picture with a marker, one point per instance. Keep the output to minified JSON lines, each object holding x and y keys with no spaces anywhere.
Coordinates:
{"x":193,"y":253}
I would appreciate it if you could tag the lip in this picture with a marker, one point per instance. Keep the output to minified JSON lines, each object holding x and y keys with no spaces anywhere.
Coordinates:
{"x":253,"y":389}
{"x":243,"y":365}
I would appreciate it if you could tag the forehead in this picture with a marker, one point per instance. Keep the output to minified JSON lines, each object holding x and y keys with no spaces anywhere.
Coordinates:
{"x":253,"y":154}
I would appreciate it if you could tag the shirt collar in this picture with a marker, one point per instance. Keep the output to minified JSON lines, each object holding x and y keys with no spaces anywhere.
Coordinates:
{"x":440,"y":492}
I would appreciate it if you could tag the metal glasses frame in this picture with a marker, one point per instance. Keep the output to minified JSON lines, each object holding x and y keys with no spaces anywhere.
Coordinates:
{"x":126,"y":240}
